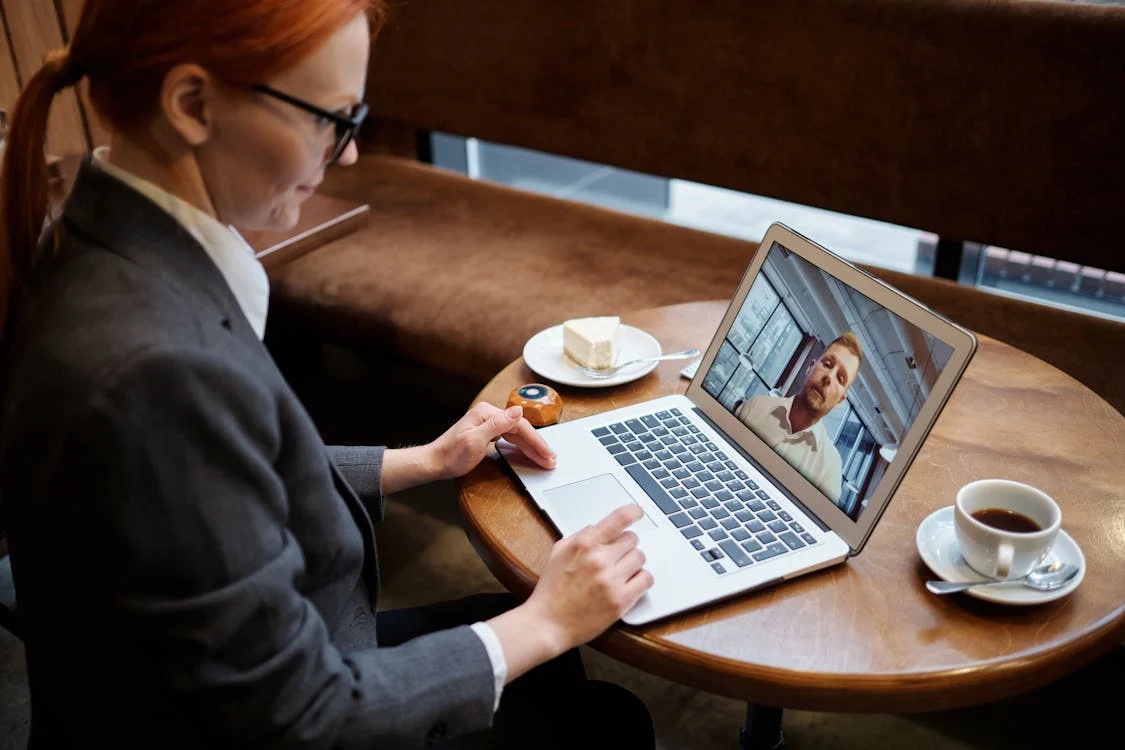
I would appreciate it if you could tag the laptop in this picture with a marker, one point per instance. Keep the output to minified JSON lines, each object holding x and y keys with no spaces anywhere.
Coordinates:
{"x":813,"y":398}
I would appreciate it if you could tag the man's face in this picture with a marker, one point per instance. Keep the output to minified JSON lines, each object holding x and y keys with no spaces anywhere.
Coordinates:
{"x":829,"y":379}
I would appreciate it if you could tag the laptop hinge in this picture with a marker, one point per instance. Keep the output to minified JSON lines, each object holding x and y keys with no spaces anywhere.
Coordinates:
{"x":792,"y":498}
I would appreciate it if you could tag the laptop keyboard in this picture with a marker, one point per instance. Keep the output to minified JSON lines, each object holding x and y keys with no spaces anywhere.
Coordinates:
{"x":726,"y":516}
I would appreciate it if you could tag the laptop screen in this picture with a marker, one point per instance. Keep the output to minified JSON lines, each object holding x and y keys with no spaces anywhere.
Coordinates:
{"x":825,"y":376}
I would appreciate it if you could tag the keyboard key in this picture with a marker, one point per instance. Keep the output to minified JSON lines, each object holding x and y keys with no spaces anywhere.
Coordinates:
{"x":601,"y":431}
{"x":756,"y":505}
{"x":735,"y":486}
{"x":677,"y":449}
{"x":608,"y":440}
{"x":700,"y":493}
{"x":660,"y":432}
{"x":744,"y":516}
{"x":773,"y":550}
{"x":710,"y":503}
{"x":681,"y":473}
{"x":723,"y":475}
{"x":688,"y":502}
{"x":652,"y":489}
{"x":765,"y":516}
{"x":791,"y":540}
{"x":751,"y":545}
{"x":778,"y":527}
{"x":672,"y":464}
{"x":718,"y":534}
{"x":796,"y":527}
{"x":650,"y":421}
{"x":677,"y":412}
{"x":669,"y":483}
{"x":720,"y":513}
{"x":718,"y":567}
{"x":680,"y":520}
{"x":695,"y":448}
{"x":689,"y":440}
{"x":663,"y":414}
{"x":750,"y":483}
{"x":649,"y":439}
{"x":721,"y":493}
{"x":714,"y":485}
{"x":715,"y":467}
{"x":706,"y":458}
{"x":712,"y":447}
{"x":618,"y":428}
{"x":766,"y":538}
{"x":808,"y":538}
{"x":644,"y":456}
{"x":691,"y":532}
{"x":732,"y":505}
{"x":774,"y":505}
{"x":669,"y":441}
{"x":730,"y":464}
{"x":763,"y":494}
{"x":625,"y":459}
{"x":658,"y":471}
{"x":756,"y":526}
{"x":784,"y":516}
{"x":695,"y":467}
{"x":707,"y":524}
{"x":741,"y":474}
{"x":712,"y":554}
{"x":670,"y":423}
{"x":697,"y":544}
{"x":615,"y":449}
{"x":681,"y":431}
{"x":705,"y":476}
{"x":735,"y":553}
{"x":692,"y":428}
{"x":651,"y":464}
{"x":697,"y":513}
{"x":677,"y":492}
{"x":636,"y":446}
{"x":740,"y":534}
{"x":730,"y":524}
{"x":636,"y":426}
{"x":691,"y":483}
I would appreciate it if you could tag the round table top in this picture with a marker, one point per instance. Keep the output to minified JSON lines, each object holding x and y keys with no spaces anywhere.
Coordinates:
{"x":866,"y":636}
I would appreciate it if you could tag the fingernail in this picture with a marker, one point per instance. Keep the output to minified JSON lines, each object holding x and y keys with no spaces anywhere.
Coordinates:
{"x":515,"y":412}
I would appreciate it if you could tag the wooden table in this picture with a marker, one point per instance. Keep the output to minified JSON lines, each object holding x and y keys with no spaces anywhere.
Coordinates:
{"x":865,"y":636}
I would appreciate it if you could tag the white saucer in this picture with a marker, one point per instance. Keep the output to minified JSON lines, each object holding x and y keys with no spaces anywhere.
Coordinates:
{"x":543,"y":353}
{"x":937,"y":544}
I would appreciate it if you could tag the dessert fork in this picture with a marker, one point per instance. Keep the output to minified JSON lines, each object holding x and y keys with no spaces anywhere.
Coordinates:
{"x":609,"y":372}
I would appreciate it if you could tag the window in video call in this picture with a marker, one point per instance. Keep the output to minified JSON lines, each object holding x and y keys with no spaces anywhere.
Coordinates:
{"x":826,"y":377}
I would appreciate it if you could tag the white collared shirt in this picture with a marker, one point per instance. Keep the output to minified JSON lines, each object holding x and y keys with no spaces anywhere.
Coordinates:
{"x":247,"y":279}
{"x":808,"y":451}
{"x":232,"y":255}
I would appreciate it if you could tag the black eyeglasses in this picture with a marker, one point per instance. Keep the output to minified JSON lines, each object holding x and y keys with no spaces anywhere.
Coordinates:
{"x":347,"y":126}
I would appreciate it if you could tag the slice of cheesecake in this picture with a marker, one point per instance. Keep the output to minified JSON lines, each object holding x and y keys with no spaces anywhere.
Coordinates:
{"x":593,"y":342}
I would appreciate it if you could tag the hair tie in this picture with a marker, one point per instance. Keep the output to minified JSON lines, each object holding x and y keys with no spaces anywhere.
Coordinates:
{"x":62,"y":67}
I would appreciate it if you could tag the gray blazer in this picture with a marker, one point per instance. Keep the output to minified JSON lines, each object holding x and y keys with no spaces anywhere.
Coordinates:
{"x":193,"y":564}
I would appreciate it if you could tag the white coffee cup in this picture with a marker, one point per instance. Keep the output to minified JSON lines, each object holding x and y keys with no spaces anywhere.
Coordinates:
{"x":1000,"y":552}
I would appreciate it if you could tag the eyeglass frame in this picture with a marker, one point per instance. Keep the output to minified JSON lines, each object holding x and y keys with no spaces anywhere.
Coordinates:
{"x":346,"y":127}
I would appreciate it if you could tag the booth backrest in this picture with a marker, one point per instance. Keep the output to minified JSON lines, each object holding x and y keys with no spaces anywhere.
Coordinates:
{"x":995,"y":121}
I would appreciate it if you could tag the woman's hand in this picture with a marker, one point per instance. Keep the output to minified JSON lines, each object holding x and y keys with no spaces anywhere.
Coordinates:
{"x":591,"y":579}
{"x":462,"y":447}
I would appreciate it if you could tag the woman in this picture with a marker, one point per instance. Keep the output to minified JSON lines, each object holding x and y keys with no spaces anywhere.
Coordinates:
{"x":195,"y":567}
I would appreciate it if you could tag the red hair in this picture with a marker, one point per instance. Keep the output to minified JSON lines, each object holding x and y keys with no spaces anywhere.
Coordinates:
{"x":125,"y":48}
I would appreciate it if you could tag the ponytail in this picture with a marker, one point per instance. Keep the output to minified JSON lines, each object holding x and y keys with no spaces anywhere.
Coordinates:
{"x":24,"y":179}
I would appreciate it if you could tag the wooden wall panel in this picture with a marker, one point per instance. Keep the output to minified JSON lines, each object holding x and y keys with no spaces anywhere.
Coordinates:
{"x":35,"y":30}
{"x":99,"y":133}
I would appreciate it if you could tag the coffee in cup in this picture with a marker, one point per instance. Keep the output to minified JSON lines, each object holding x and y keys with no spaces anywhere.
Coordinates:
{"x":1004,"y":528}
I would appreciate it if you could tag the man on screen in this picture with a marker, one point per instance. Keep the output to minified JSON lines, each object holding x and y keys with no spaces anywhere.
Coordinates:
{"x":792,"y":426}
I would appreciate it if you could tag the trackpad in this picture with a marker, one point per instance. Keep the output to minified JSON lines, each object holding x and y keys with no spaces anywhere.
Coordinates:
{"x":580,"y":504}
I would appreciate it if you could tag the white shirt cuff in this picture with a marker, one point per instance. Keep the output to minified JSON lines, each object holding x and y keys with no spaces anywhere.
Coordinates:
{"x":491,"y":643}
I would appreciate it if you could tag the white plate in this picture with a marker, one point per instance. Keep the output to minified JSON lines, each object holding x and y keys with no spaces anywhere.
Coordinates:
{"x":937,"y":544}
{"x":543,"y":353}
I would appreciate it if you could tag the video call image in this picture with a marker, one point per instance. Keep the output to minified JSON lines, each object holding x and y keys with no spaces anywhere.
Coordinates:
{"x":826,"y":377}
